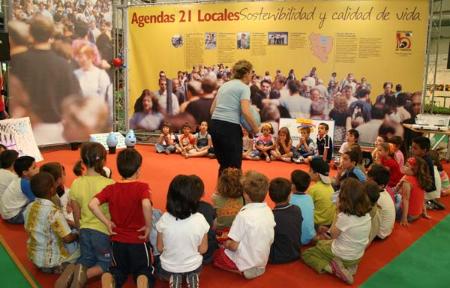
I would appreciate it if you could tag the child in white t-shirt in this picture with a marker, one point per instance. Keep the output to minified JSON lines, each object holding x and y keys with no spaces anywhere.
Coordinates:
{"x":380,"y":175}
{"x":252,"y":233}
{"x":182,"y":235}
{"x":349,"y":235}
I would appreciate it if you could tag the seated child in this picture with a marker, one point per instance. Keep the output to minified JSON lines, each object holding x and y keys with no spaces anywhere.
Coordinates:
{"x":283,"y":146}
{"x":7,"y":174}
{"x":445,"y":184}
{"x":373,"y":192}
{"x":166,"y":140}
{"x":412,"y":190}
{"x":203,"y":142}
{"x":49,"y":234}
{"x":228,"y":199}
{"x":324,"y":143}
{"x":182,"y":235}
{"x":348,"y":168}
{"x":247,"y":145}
{"x":349,"y":235}
{"x":351,"y":137}
{"x":300,"y":183}
{"x":321,"y":192}
{"x":209,"y":213}
{"x":61,"y":199}
{"x":286,"y":246}
{"x":130,"y":224}
{"x":378,"y":142}
{"x":305,"y":146}
{"x":18,"y":194}
{"x":385,"y":158}
{"x":252,"y":233}
{"x":380,"y":175}
{"x":264,"y":142}
{"x":186,"y":140}
{"x":396,"y":142}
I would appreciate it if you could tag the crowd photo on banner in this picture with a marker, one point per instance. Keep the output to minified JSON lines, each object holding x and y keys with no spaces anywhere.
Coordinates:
{"x":352,"y":104}
{"x":60,"y":72}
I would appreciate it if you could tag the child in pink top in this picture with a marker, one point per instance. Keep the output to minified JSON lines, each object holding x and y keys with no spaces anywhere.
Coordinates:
{"x":264,"y":142}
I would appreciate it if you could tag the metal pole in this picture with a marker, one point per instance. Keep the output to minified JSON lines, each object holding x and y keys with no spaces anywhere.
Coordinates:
{"x":427,"y":55}
{"x":436,"y":57}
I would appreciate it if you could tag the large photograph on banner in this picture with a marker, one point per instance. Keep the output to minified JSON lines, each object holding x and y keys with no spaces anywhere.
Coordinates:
{"x":357,"y":63}
{"x":60,"y":72}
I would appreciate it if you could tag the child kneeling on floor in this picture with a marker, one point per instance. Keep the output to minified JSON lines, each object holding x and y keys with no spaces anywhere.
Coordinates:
{"x":131,"y":211}
{"x":252,"y":233}
{"x":51,"y":245}
{"x":349,"y":235}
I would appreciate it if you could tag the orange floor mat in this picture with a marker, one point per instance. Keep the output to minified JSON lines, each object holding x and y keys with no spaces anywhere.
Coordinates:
{"x":159,"y":169}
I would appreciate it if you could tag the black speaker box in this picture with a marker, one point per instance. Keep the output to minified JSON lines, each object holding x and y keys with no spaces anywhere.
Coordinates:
{"x":4,"y":47}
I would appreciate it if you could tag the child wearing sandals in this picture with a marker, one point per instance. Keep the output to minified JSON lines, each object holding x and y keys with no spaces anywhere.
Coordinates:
{"x":283,"y":146}
{"x":349,"y":235}
{"x":182,"y":235}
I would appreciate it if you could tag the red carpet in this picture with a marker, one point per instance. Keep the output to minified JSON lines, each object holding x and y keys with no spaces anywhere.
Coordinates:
{"x":158,"y":170}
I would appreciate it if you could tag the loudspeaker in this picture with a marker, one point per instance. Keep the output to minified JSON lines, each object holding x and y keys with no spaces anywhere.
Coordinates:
{"x":448,"y":57}
{"x":4,"y":47}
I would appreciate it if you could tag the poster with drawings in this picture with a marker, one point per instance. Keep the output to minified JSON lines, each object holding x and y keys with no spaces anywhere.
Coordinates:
{"x":16,"y":134}
{"x":293,"y":124}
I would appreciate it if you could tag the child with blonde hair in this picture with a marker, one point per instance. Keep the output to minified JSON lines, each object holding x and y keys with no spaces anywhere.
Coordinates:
{"x":264,"y":142}
{"x":228,"y":199}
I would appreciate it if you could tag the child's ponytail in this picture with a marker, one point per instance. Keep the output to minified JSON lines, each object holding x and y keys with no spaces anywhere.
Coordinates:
{"x":93,"y":155}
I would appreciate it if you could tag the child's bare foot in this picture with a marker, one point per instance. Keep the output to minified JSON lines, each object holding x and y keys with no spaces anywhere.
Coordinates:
{"x":426,"y":216}
{"x":267,"y":159}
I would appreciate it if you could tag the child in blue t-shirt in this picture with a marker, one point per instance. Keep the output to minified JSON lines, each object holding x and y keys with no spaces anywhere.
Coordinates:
{"x":301,"y":180}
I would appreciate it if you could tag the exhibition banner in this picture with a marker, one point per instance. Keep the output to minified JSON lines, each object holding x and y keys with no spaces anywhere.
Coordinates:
{"x":16,"y":134}
{"x":60,"y":73}
{"x":378,"y":40}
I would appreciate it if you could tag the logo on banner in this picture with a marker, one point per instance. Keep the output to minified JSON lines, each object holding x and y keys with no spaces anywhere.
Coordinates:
{"x":404,"y":40}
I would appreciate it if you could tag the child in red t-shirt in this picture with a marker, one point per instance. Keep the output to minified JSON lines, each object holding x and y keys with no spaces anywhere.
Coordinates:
{"x":385,"y":158}
{"x":412,"y":189}
{"x":131,"y":211}
{"x":186,"y":141}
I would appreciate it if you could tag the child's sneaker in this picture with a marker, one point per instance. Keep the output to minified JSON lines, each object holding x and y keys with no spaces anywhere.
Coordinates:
{"x":340,"y":271}
{"x":66,"y":277}
{"x":299,"y":160}
{"x":253,"y":272}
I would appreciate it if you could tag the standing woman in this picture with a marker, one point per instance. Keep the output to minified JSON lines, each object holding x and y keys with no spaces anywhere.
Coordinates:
{"x":233,"y":98}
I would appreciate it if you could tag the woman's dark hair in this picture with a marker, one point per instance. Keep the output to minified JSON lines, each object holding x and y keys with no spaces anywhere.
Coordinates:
{"x":352,"y":198}
{"x":182,"y":201}
{"x":57,"y":171}
{"x":229,"y":184}
{"x":241,"y":68}
{"x":93,"y":155}
{"x":256,"y":96}
{"x":139,"y":107}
